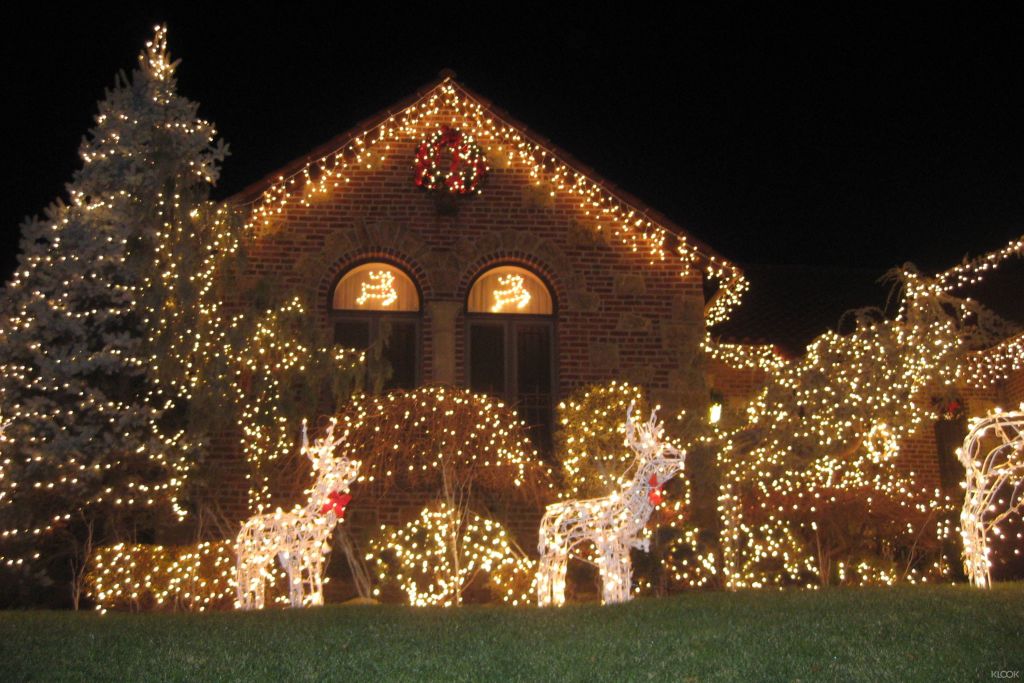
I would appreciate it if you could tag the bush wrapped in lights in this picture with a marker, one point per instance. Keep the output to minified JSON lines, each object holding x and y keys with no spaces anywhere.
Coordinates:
{"x":138,"y":576}
{"x":469,"y":447}
{"x":590,"y":443}
{"x":439,"y":436}
{"x":435,"y":558}
{"x":810,"y":492}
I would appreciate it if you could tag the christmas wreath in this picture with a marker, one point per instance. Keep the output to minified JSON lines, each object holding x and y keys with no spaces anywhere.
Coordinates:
{"x":462,"y":175}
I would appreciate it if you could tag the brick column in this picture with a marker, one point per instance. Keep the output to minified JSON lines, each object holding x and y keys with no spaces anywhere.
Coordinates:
{"x":442,"y":315}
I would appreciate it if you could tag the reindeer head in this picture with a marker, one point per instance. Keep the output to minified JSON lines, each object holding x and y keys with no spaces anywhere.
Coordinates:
{"x":333,"y":475}
{"x":657,"y":461}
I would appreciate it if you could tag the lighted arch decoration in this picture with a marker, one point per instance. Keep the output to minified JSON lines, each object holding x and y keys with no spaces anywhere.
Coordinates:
{"x":376,"y":286}
{"x":993,"y":455}
{"x":510,"y":289}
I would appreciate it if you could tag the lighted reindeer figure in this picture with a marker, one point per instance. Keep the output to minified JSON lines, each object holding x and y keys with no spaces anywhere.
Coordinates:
{"x":300,"y":539}
{"x":988,"y":475}
{"x":613,"y":523}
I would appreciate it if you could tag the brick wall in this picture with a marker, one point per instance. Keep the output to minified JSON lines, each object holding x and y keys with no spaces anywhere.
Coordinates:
{"x":1014,"y":390}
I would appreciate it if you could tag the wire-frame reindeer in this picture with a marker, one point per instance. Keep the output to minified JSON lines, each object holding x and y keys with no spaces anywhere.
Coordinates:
{"x":999,"y":472}
{"x":613,"y":523}
{"x":300,"y":539}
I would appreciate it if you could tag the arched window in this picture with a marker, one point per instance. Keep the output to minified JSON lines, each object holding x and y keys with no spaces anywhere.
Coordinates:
{"x":379,"y":299}
{"x":511,"y":343}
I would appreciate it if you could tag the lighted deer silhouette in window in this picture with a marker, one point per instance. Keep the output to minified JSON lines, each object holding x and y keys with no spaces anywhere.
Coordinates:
{"x":300,"y":539}
{"x":613,"y":523}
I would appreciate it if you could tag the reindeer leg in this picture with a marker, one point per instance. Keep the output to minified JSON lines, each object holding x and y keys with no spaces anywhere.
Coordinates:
{"x":313,"y":567}
{"x":544,"y":580}
{"x":292,"y":566}
{"x":551,"y":579}
{"x":616,"y":574}
{"x":558,"y":579}
{"x":257,"y":582}
{"x":242,"y":581}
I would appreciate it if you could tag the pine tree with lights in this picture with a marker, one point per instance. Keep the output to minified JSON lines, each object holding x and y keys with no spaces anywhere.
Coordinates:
{"x":95,"y":448}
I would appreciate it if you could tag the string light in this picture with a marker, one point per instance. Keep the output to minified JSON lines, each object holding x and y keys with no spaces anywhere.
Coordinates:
{"x":449,"y":106}
{"x":380,"y":289}
{"x":510,"y":291}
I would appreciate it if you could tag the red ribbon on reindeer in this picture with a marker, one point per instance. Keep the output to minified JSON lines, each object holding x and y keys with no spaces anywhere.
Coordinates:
{"x":337,"y":502}
{"x":655,"y":494}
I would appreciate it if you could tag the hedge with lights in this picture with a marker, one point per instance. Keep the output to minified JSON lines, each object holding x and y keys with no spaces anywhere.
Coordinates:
{"x":135,"y":576}
{"x":437,"y":557}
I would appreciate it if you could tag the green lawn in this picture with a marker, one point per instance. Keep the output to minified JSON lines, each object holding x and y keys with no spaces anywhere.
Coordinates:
{"x":927,"y":634}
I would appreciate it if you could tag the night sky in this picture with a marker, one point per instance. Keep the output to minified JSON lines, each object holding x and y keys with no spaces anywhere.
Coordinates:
{"x":833,"y":137}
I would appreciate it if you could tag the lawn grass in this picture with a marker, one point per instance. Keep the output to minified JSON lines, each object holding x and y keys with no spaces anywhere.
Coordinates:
{"x":934,"y":633}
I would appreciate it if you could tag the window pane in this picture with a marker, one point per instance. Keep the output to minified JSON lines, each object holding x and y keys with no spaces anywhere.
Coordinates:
{"x":487,"y":359}
{"x":533,"y":354}
{"x":533,"y":375}
{"x":400,"y":352}
{"x":352,"y":334}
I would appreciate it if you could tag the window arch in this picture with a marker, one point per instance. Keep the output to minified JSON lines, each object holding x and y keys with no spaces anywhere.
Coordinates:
{"x":378,"y":299}
{"x":509,"y":289}
{"x":511,"y":349}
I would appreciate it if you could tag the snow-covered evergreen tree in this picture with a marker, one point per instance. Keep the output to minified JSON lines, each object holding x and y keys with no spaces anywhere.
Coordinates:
{"x":95,"y":437}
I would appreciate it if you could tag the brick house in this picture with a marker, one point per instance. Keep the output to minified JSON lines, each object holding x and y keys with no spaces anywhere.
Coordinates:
{"x":544,"y":279}
{"x":539,"y":279}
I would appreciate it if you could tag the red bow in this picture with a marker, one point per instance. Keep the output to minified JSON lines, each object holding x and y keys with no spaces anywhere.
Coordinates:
{"x":337,"y":502}
{"x":654,"y":495}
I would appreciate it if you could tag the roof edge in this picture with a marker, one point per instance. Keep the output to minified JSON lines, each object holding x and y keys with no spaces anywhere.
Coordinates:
{"x":252,"y":192}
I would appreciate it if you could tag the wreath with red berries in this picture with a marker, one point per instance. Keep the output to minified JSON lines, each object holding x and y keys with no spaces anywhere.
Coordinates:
{"x":466,"y":162}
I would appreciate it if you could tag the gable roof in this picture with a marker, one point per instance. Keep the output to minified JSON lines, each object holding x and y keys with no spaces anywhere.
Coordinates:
{"x":636,"y":221}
